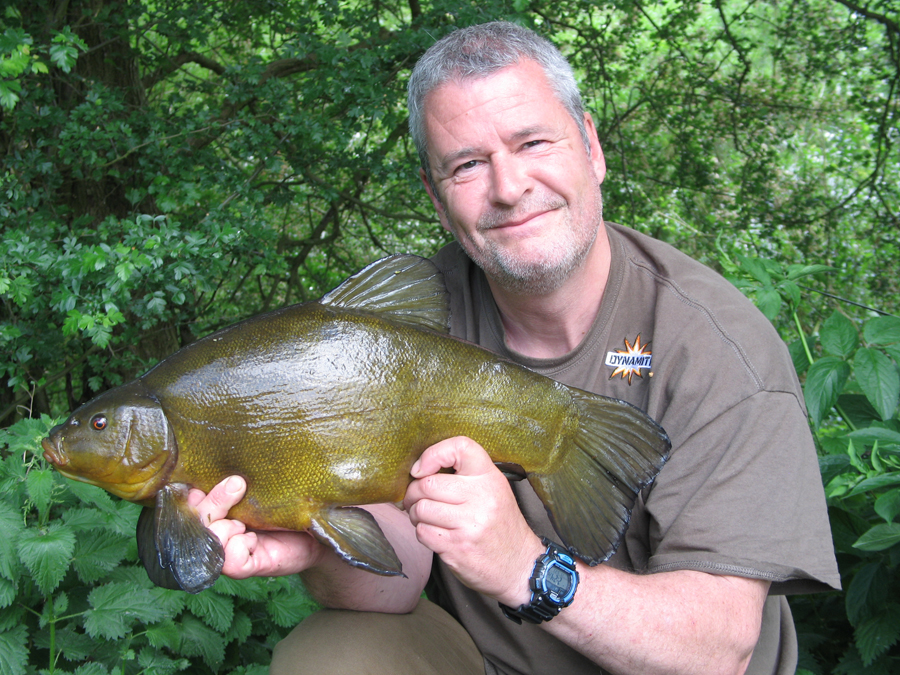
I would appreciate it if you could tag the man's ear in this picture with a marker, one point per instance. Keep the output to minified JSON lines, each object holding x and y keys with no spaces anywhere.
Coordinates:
{"x":435,"y":200}
{"x":597,"y":158}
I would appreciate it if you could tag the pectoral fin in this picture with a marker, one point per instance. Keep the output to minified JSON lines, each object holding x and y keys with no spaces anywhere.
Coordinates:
{"x":175,"y":547}
{"x":356,"y":536}
{"x":146,"y":543}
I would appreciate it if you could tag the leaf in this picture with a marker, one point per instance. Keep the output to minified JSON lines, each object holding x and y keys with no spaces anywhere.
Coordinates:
{"x":876,"y":483}
{"x":8,"y":590}
{"x":255,"y":589}
{"x":13,"y":653}
{"x":46,"y":553}
{"x":893,"y":351}
{"x":797,"y":271}
{"x":74,"y":645}
{"x":8,"y":95}
{"x":798,"y":356}
{"x":216,"y":610}
{"x":63,"y":56}
{"x":838,"y":336}
{"x":857,"y":409}
{"x":11,"y":526}
{"x":824,"y":382}
{"x":882,"y":330}
{"x":286,"y":612}
{"x":875,"y":636}
{"x":755,"y":268}
{"x":886,"y":438}
{"x":879,"y":380}
{"x":115,"y":606}
{"x":39,"y":483}
{"x":240,"y":629}
{"x":865,"y":596}
{"x":92,"y":669}
{"x":888,"y":505}
{"x":769,"y":303}
{"x":97,"y":552}
{"x":84,"y":520}
{"x":879,"y":538}
{"x":152,"y":661}
{"x":91,"y":494}
{"x":165,"y":634}
{"x":200,"y":640}
{"x":832,"y":465}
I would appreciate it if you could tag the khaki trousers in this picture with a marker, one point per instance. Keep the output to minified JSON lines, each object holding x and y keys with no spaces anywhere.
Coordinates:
{"x":427,"y":641}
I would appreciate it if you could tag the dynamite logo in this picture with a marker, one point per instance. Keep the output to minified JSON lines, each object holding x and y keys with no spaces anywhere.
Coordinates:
{"x":630,"y":361}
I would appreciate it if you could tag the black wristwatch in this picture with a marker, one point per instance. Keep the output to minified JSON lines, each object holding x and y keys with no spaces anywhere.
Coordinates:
{"x":553,"y":583}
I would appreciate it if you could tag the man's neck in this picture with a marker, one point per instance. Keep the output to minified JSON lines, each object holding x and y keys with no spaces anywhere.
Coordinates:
{"x":552,"y":325}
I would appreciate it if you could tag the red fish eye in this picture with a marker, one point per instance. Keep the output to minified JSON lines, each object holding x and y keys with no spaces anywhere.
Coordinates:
{"x":98,"y":422}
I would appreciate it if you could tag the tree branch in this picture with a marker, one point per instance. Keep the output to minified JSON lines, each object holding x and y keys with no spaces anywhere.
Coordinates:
{"x":178,"y":61}
{"x":890,"y":24}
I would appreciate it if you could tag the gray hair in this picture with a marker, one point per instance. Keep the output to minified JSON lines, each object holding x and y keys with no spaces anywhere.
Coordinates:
{"x":477,"y":52}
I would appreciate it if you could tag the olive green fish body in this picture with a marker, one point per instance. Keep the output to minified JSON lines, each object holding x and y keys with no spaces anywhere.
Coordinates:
{"x":340,"y":417}
{"x":326,"y":405}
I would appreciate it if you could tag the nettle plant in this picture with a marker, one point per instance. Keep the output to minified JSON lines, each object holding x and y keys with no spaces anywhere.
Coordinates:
{"x":851,"y":383}
{"x":75,"y":599}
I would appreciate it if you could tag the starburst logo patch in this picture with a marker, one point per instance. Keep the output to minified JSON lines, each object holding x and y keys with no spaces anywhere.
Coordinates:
{"x":630,"y":361}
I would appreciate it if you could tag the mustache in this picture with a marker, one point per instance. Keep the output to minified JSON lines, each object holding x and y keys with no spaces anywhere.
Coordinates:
{"x":497,"y":217}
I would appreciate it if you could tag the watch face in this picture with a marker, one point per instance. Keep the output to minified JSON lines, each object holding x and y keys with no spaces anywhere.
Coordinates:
{"x":558,"y":580}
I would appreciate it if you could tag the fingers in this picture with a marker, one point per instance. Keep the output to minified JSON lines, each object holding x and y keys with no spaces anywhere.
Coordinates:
{"x":461,"y":454}
{"x":220,"y":500}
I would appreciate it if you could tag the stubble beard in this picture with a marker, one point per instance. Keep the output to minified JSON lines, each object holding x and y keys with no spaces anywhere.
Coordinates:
{"x":545,"y":273}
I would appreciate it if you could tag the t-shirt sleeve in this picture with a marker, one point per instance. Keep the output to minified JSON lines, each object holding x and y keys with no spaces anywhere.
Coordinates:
{"x":742,"y":495}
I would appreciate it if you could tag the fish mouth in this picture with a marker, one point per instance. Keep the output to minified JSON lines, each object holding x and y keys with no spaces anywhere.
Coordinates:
{"x":53,"y":453}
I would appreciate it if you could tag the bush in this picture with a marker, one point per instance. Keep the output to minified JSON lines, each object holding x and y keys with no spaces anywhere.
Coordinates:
{"x":852,"y":388}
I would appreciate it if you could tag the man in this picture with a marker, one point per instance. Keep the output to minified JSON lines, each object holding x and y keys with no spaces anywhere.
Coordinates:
{"x":735,"y":520}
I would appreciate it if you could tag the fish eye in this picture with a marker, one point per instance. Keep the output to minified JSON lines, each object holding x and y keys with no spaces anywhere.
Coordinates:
{"x":98,"y":422}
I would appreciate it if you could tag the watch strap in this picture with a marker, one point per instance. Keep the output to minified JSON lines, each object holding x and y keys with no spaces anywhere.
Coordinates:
{"x":543,"y":607}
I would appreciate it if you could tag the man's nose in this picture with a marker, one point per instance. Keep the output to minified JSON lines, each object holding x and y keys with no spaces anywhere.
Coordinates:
{"x":510,"y":180}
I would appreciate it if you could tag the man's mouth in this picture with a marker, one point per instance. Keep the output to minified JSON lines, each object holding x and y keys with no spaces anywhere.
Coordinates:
{"x":498,"y":219}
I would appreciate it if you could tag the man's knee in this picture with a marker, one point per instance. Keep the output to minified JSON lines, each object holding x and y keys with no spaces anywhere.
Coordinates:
{"x":427,"y":641}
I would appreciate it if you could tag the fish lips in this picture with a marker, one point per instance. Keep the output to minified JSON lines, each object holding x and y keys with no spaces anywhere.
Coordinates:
{"x":52,"y":452}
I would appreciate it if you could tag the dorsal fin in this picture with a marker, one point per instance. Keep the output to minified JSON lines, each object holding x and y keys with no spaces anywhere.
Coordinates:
{"x":404,"y":288}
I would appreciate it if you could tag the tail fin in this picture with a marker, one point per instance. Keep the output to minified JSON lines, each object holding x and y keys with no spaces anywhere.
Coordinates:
{"x":618,"y":451}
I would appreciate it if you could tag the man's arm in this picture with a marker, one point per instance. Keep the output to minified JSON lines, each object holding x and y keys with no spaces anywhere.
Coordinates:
{"x":669,"y":622}
{"x":330,"y":580}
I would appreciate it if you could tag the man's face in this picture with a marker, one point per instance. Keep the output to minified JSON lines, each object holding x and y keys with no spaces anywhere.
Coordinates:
{"x":514,"y":182}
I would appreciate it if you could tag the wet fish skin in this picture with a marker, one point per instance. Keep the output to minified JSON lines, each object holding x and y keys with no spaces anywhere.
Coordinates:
{"x":326,"y":405}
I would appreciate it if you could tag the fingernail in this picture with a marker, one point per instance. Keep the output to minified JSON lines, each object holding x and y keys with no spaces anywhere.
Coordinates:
{"x":234,"y":485}
{"x":415,"y":467}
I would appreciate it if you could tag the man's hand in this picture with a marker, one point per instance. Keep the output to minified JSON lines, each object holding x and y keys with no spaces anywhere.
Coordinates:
{"x":471,"y":519}
{"x":249,"y":554}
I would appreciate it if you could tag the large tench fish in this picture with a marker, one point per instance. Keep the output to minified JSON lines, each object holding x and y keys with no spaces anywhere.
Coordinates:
{"x":324,"y":406}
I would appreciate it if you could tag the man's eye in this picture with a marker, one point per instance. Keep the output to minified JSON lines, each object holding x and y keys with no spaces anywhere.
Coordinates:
{"x":471,"y":164}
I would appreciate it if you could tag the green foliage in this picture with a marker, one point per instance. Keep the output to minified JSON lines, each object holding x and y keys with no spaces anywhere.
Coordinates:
{"x":852,"y":392}
{"x":74,"y":598}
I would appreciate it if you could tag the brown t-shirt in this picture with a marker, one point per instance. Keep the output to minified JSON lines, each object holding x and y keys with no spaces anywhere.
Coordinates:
{"x":741,"y":494}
